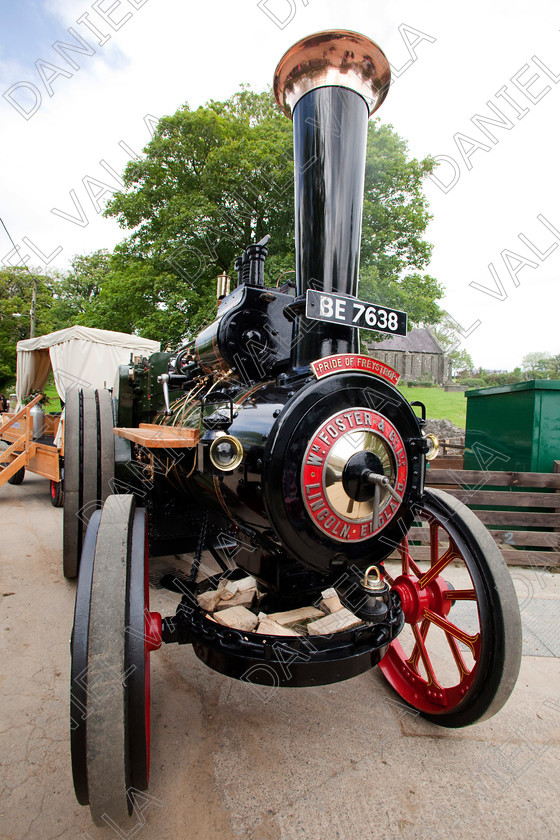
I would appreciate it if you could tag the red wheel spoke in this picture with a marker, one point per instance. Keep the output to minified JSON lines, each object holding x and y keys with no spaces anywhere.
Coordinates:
{"x":408,"y":564}
{"x":460,"y":595}
{"x":438,"y":567}
{"x":405,"y":556}
{"x":457,"y":656}
{"x":453,"y":630}
{"x":432,"y":680}
{"x":412,"y":661}
{"x":414,"y":568}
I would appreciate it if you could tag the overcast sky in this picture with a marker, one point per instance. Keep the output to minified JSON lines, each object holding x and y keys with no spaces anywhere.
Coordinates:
{"x":69,"y":126}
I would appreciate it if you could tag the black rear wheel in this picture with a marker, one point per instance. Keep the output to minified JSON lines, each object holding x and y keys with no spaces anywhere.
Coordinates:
{"x":71,"y":524}
{"x":111,"y":642}
{"x":89,"y":459}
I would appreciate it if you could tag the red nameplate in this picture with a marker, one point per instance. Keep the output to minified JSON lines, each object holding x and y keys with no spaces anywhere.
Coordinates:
{"x":350,"y":361}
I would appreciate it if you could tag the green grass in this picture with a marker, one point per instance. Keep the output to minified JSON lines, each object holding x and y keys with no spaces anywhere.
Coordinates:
{"x":50,"y":391}
{"x":52,"y":394}
{"x":440,"y":404}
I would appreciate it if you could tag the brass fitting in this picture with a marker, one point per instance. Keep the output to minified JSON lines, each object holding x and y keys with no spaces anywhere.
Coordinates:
{"x":373,"y":584}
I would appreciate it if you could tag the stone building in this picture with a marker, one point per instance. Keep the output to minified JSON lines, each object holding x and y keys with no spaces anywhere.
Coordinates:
{"x":417,"y":355}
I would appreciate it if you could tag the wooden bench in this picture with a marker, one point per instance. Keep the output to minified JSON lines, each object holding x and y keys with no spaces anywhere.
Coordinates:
{"x":534,"y":497}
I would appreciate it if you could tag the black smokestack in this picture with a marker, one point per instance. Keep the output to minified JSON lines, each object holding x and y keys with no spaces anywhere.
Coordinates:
{"x":329,"y":83}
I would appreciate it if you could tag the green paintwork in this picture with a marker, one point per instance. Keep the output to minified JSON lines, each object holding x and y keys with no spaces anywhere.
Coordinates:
{"x":141,"y":399}
{"x":513,"y":427}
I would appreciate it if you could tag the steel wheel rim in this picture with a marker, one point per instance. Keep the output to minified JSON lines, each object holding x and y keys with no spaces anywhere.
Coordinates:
{"x":79,"y":665}
{"x":138,"y":655}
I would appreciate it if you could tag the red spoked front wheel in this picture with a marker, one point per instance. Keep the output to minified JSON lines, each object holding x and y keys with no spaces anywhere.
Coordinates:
{"x":458,"y":656}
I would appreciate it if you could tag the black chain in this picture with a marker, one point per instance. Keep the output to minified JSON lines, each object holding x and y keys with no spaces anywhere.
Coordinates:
{"x":199,"y":549}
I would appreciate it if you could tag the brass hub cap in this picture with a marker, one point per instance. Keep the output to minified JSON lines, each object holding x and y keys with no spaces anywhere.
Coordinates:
{"x":345,"y":448}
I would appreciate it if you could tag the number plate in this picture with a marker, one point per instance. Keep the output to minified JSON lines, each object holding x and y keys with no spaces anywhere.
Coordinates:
{"x":339,"y":309}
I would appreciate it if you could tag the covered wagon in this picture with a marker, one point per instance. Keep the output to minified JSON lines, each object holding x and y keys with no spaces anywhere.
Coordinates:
{"x":76,"y":357}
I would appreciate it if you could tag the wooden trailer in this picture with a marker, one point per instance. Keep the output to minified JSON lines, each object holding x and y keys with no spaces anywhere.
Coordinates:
{"x":38,"y":455}
{"x":76,"y":357}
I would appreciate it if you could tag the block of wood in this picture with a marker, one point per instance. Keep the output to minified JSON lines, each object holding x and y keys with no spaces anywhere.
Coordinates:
{"x":234,"y":586}
{"x":331,"y":601}
{"x":229,"y":588}
{"x":340,"y":620}
{"x":294,"y":616}
{"x":271,"y":628}
{"x":244,"y":598}
{"x":240,"y":618}
{"x":225,"y":594}
{"x":209,"y":600}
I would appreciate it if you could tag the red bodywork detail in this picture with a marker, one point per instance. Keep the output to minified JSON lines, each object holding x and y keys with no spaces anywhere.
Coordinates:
{"x":344,"y":362}
{"x":153,"y":630}
{"x":415,"y":600}
{"x":326,"y":519}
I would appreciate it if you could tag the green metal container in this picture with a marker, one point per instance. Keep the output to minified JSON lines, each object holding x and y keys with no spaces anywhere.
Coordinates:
{"x":513,"y":427}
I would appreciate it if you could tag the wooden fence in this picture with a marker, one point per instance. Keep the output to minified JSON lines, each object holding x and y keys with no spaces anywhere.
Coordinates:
{"x":520,"y":509}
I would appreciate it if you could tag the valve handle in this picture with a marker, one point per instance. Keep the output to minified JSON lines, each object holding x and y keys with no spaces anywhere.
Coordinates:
{"x":380,"y":481}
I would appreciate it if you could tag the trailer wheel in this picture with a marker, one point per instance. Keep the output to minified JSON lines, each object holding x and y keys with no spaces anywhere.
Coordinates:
{"x":458,"y":657}
{"x":89,"y":463}
{"x":18,"y":477}
{"x":113,"y":635}
{"x":57,"y":494}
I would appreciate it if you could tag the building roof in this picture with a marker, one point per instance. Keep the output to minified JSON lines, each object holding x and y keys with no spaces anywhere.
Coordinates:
{"x":418,"y":340}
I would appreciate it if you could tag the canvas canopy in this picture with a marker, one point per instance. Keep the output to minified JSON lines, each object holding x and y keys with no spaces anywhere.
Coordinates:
{"x":78,"y":356}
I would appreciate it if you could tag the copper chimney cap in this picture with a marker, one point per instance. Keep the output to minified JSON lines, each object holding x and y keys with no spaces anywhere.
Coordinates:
{"x":332,"y":58}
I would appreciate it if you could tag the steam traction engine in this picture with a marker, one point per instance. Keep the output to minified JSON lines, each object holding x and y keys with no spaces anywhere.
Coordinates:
{"x":271,"y":443}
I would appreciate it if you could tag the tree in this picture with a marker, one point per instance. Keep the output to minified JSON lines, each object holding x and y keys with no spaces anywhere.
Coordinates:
{"x":394,"y":254}
{"x":215,"y":179}
{"x":137,"y":298}
{"x":540,"y":365}
{"x":509,"y":378}
{"x":447,"y":332}
{"x":15,"y":304}
{"x":554,"y":367}
{"x":77,"y":290}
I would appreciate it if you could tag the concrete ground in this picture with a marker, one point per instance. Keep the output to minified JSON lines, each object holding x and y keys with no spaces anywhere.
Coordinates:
{"x":344,"y":761}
